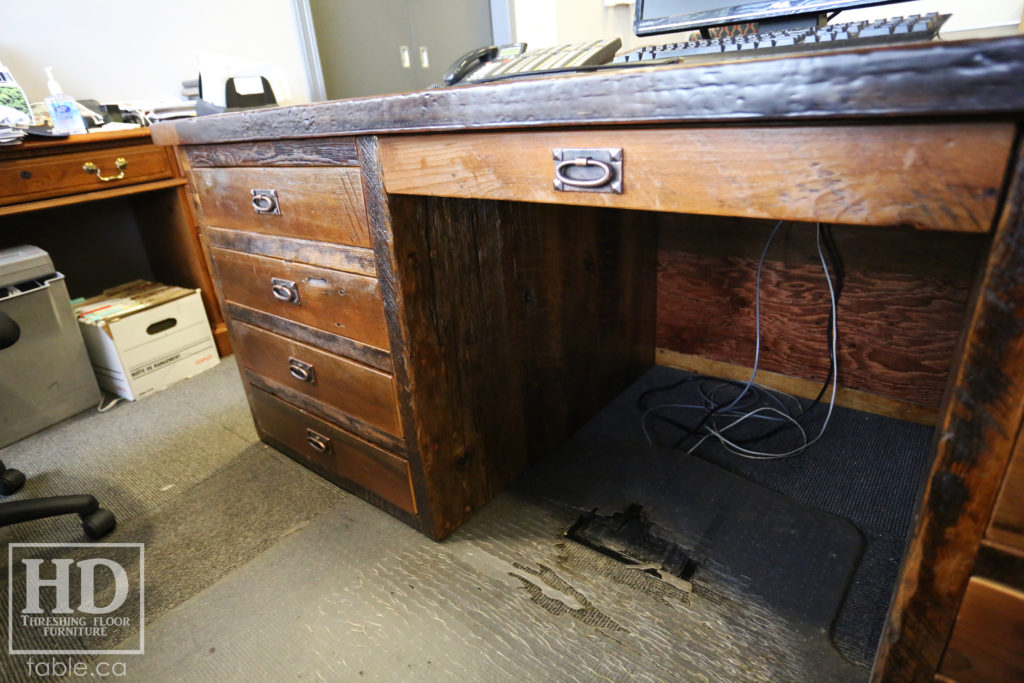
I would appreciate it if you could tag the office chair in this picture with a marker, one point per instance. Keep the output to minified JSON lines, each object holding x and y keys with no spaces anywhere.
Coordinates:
{"x":96,"y":521}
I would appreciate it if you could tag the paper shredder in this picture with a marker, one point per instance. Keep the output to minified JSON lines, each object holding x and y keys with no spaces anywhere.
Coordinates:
{"x":45,"y":374}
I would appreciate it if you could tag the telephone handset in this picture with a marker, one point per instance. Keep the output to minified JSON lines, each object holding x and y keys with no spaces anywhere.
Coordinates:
{"x":469,"y":61}
{"x":474,"y":59}
{"x":493,"y":62}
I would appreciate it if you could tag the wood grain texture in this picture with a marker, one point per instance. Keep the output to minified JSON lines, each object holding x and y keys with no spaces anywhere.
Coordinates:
{"x":941,"y":176}
{"x":1001,"y":564}
{"x":980,"y":418}
{"x":344,"y":304}
{"x":355,"y":389}
{"x":85,"y":197}
{"x":320,"y":204}
{"x":35,"y":147}
{"x":342,"y":346}
{"x":339,"y":152}
{"x":31,"y":179}
{"x":221,"y":334}
{"x":1007,"y":524}
{"x":899,"y":316}
{"x":363,"y":430}
{"x":378,"y":213}
{"x":348,"y":457}
{"x":848,"y":398}
{"x":522,"y":321}
{"x":988,"y":639}
{"x":357,"y":260}
{"x":934,"y":80}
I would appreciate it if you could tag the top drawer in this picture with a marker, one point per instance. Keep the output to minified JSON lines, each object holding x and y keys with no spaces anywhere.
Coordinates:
{"x":43,"y":177}
{"x":938,"y":176}
{"x":320,"y":204}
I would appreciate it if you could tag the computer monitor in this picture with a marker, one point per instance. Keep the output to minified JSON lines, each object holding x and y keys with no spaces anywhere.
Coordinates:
{"x":665,"y":16}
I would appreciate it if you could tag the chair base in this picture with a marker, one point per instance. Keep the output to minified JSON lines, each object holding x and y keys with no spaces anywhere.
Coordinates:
{"x":97,"y":522}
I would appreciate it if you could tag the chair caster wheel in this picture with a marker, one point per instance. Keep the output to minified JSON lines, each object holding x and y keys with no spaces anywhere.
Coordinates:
{"x":98,"y":524}
{"x":11,"y":481}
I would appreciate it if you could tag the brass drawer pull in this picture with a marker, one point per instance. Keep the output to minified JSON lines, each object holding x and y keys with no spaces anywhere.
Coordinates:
{"x":264,"y":202}
{"x":120,"y":162}
{"x":609,"y":161}
{"x":301,"y":370}
{"x":318,"y":442}
{"x":284,"y":290}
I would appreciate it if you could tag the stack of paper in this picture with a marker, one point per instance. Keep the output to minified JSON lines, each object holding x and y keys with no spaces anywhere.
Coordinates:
{"x":10,"y":136}
{"x":124,"y":299}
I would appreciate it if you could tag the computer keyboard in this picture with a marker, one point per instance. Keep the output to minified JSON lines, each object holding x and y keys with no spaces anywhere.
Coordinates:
{"x":832,"y":36}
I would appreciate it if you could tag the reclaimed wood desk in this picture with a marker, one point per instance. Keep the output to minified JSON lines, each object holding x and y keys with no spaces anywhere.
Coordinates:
{"x":98,"y":225}
{"x":418,"y":311}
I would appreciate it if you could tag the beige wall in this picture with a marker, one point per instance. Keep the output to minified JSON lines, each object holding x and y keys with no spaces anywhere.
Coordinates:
{"x":551,"y":22}
{"x":142,"y":50}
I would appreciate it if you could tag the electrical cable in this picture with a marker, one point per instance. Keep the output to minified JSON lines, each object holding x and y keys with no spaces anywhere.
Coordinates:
{"x":740,"y":411}
{"x":104,"y":408}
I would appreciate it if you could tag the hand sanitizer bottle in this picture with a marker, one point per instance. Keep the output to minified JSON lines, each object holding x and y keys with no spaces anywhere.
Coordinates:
{"x":63,"y":109}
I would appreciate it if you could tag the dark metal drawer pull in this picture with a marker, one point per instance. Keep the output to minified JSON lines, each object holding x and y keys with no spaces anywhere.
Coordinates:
{"x":284,"y":290}
{"x":265,"y":202}
{"x":301,"y":370}
{"x":318,"y":442}
{"x":609,"y":161}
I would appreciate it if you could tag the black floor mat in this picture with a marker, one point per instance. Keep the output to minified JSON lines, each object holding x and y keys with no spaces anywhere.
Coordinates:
{"x":860,"y":480}
{"x":796,"y":560}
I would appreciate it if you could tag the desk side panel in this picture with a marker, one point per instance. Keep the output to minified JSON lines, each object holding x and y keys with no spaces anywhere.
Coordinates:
{"x":520,"y":322}
{"x":980,"y":419}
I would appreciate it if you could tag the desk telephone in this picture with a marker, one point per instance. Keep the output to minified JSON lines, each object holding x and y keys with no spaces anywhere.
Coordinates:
{"x":494,"y":62}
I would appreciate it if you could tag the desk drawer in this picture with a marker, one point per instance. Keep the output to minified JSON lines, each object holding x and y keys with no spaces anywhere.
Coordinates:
{"x":43,"y":177}
{"x":941,"y":176}
{"x":1007,"y":523}
{"x":353,"y":388}
{"x":988,"y":638}
{"x":336,"y":454}
{"x":344,"y":304}
{"x":320,"y":204}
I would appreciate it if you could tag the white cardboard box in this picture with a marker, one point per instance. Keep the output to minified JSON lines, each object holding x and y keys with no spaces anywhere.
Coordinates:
{"x":143,"y":337}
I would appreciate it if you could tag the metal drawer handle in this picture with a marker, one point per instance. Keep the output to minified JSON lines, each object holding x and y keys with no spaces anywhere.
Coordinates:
{"x":120,"y":162}
{"x":301,"y":370}
{"x":264,"y":202}
{"x":604,"y":178}
{"x":284,"y":290}
{"x":318,"y":442}
{"x":607,"y":159}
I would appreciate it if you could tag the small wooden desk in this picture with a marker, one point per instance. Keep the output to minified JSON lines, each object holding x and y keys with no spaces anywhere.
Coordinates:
{"x":460,"y":316}
{"x":103,"y":233}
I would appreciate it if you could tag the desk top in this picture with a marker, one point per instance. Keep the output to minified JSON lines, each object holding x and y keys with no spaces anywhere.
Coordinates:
{"x":933,"y":80}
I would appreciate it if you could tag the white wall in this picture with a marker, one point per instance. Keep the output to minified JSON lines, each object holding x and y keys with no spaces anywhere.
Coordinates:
{"x":542,"y":23}
{"x":142,"y":50}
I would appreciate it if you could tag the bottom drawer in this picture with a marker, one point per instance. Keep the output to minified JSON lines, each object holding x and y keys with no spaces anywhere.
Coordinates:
{"x":988,"y":638}
{"x":333,"y":451}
